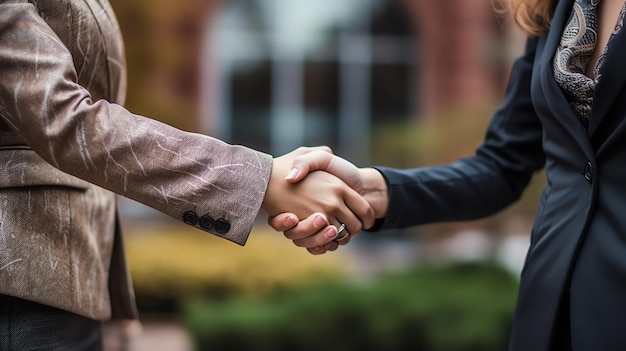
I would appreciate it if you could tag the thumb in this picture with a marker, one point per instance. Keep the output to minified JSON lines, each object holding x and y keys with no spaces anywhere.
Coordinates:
{"x":324,"y":161}
{"x":309,"y":162}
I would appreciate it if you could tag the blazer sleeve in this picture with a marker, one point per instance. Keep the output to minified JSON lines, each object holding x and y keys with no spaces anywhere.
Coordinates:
{"x":480,"y":185}
{"x":184,"y":175}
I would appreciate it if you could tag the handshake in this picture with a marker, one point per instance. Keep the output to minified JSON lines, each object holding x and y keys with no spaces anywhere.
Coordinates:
{"x":321,"y":201}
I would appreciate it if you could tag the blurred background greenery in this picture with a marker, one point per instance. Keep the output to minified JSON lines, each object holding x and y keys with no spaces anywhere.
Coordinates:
{"x":401,"y":83}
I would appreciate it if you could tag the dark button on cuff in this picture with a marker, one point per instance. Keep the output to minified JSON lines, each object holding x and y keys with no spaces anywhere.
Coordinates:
{"x":588,"y":172}
{"x":190,"y":218}
{"x":207,"y":222}
{"x":222,"y":226}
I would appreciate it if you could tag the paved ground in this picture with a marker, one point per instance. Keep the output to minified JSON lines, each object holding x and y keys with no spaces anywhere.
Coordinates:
{"x":152,"y":335}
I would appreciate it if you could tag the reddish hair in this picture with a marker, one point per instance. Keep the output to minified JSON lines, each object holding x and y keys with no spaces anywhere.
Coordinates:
{"x":532,"y":16}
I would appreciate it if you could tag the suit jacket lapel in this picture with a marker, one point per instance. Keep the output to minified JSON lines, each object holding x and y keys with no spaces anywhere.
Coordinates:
{"x":549,"y":85}
{"x":611,"y":82}
{"x":551,"y":94}
{"x":559,"y":20}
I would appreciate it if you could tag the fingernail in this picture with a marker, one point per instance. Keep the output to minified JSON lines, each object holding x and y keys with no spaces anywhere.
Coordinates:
{"x":290,"y":221}
{"x":319,"y":222}
{"x":330,"y":233}
{"x":292,"y":173}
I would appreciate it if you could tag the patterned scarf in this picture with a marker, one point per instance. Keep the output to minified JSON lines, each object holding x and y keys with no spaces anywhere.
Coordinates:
{"x":574,"y":53}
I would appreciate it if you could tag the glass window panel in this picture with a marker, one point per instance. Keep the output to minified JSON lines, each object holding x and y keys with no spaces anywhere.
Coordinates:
{"x":321,"y":86}
{"x":256,"y":35}
{"x":251,"y":82}
{"x":251,"y":102}
{"x":389,"y":49}
{"x":302,"y":26}
{"x":391,"y":19}
{"x":321,"y":103}
{"x":390,"y":91}
{"x":327,"y":50}
{"x":245,"y":15}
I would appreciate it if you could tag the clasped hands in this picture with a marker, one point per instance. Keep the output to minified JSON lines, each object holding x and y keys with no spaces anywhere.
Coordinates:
{"x":321,"y":201}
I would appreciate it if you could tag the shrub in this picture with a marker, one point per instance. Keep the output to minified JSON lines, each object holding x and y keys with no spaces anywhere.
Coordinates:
{"x":460,"y":307}
{"x":172,"y":263}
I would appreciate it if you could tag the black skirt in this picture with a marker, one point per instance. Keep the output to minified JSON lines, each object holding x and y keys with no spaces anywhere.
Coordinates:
{"x":26,"y":325}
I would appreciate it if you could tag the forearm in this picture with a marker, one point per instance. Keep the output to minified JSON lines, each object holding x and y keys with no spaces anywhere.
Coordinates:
{"x":175,"y":172}
{"x":483,"y":184}
{"x":465,"y":190}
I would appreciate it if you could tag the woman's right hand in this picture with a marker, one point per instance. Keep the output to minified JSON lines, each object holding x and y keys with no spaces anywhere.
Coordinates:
{"x":320,"y":192}
{"x":367,"y":181}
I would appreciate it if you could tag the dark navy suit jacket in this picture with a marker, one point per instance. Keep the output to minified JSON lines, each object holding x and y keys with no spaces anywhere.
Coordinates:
{"x":578,"y":241}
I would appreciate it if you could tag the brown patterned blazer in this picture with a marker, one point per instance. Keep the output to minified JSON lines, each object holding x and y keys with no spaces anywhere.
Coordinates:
{"x":67,"y":146}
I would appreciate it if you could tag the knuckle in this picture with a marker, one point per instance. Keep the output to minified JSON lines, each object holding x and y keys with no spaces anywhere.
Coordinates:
{"x":358,"y":228}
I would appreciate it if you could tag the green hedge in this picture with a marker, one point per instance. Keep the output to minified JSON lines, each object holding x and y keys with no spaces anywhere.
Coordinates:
{"x":461,"y":307}
{"x":174,"y":263}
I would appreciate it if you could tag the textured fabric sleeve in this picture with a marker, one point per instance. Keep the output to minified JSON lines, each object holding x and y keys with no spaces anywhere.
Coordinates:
{"x":485,"y":183}
{"x":179,"y":173}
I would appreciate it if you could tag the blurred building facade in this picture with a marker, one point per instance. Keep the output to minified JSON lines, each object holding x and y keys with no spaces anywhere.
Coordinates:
{"x":287,"y":73}
{"x":277,"y":74}
{"x":283,"y":73}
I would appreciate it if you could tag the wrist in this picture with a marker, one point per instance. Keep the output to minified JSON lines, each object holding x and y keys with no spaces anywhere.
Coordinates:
{"x":375,"y":191}
{"x":275,"y":184}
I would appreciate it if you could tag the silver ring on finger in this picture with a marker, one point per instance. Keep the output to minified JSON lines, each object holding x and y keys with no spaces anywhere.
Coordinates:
{"x":346,"y":235}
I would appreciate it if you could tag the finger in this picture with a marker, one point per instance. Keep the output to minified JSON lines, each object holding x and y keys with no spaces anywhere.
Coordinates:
{"x":322,"y":237}
{"x":352,"y":228}
{"x":283,"y":221}
{"x":319,"y":250}
{"x":353,"y":225}
{"x":343,"y":236}
{"x":360,"y":208}
{"x":307,"y":227}
{"x":331,"y":246}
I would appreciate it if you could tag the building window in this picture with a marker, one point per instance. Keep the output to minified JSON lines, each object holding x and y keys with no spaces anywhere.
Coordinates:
{"x":284,"y":73}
